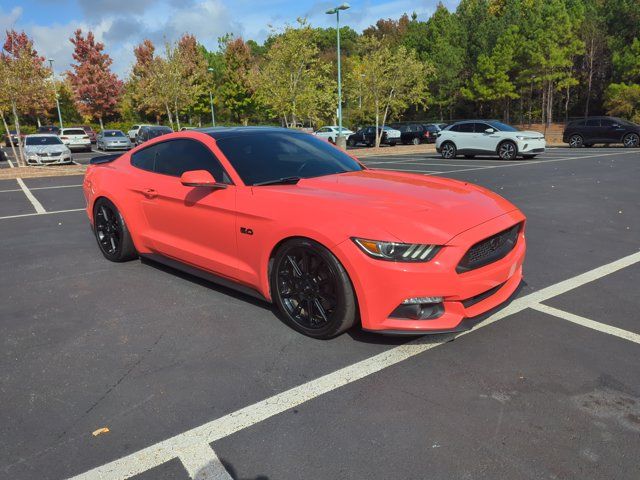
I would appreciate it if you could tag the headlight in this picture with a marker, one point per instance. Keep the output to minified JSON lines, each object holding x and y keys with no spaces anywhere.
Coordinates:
{"x":397,"y":252}
{"x":520,"y":137}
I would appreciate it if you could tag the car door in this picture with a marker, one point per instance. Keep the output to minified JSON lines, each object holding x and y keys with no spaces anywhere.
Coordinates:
{"x":591,"y":131}
{"x":610,"y":130}
{"x":483,"y":141}
{"x":464,"y":137}
{"x":195,"y":225}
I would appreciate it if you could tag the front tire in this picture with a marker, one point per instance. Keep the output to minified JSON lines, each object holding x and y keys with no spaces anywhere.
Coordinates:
{"x":351,"y":142}
{"x":448,"y":150}
{"x":507,"y":150}
{"x":631,"y":140}
{"x":416,"y":141}
{"x":111,"y":232}
{"x":312,"y":289}
{"x":576,"y":141}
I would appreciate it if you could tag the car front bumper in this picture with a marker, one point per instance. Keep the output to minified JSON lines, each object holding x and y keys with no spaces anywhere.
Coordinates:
{"x":79,"y":146}
{"x":382,"y":286}
{"x":529,"y":146}
{"x":38,"y":160}
{"x":112,"y":146}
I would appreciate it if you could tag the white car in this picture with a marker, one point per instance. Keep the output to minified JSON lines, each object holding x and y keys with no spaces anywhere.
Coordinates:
{"x":75,"y":139}
{"x":489,"y":137}
{"x":330,"y":133}
{"x":134,"y":131}
{"x":45,"y":149}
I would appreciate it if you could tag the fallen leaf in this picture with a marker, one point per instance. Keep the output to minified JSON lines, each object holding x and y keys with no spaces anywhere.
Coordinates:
{"x":100,"y":431}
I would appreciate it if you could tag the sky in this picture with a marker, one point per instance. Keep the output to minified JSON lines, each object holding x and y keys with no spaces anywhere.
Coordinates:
{"x":122,"y":24}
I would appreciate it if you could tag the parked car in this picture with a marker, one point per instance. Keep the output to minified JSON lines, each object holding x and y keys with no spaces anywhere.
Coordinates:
{"x":416,"y":133}
{"x":41,"y":149}
{"x":134,"y":131}
{"x":3,"y":156}
{"x":12,"y":138}
{"x":112,"y":140}
{"x":606,"y":130}
{"x":90,"y":132}
{"x":330,"y":133}
{"x":51,"y":129}
{"x":488,"y":137}
{"x":284,"y":216}
{"x":147,"y":133}
{"x":75,"y":139}
{"x":367,"y":136}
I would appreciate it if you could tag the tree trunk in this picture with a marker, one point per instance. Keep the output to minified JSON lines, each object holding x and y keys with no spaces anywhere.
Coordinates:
{"x":378,"y":136}
{"x":6,"y":128}
{"x":101,"y":124}
{"x":169,"y":115}
{"x":38,"y":121}
{"x":16,"y":121}
{"x":590,"y":81}
{"x":175,"y":105}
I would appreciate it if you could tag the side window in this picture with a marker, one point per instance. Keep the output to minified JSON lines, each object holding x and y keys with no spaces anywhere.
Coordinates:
{"x":466,"y":127}
{"x":182,"y":155}
{"x":593,"y":122}
{"x":481,"y":127}
{"x":144,"y":159}
{"x":579,"y":123}
{"x":455,"y":128}
{"x":605,"y":122}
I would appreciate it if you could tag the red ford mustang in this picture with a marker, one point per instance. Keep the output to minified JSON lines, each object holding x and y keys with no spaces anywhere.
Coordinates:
{"x":287,"y":217}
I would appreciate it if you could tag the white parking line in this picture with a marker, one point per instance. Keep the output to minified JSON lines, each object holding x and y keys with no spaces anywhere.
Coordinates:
{"x":586,"y":322}
{"x":43,"y":213}
{"x":34,"y":201}
{"x":204,"y":435}
{"x":41,"y":188}
{"x":202,"y":463}
{"x":407,"y":171}
{"x":532,"y":162}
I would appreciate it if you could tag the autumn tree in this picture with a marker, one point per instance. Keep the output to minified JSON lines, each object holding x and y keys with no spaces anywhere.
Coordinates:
{"x":392,"y":79}
{"x":95,"y":88}
{"x":236,"y":88}
{"x":293,"y":82}
{"x":23,"y":82}
{"x":136,"y":100}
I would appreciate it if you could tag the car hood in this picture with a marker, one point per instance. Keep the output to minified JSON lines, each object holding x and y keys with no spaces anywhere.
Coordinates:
{"x":530,"y":133}
{"x":115,"y":139}
{"x":45,"y":148}
{"x":410,"y":207}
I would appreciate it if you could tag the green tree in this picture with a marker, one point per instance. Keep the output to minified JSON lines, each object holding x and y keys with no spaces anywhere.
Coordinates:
{"x":392,"y":79}
{"x":623,"y":100}
{"x":236,"y":89}
{"x":293,"y":82}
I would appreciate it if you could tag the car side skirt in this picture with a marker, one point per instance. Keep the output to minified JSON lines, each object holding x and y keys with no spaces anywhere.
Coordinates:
{"x":204,"y":274}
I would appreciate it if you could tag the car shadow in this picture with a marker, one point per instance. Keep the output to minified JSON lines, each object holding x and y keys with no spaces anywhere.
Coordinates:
{"x":356,"y":333}
{"x":214,"y":470}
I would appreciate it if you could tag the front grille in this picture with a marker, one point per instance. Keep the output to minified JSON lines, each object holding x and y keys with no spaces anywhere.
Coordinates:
{"x":48,"y":154}
{"x":489,"y":250}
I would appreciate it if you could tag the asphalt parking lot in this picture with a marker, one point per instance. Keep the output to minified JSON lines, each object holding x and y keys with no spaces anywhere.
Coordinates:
{"x":197,"y":381}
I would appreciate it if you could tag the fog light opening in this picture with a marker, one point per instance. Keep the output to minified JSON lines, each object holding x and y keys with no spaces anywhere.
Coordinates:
{"x":418,"y":311}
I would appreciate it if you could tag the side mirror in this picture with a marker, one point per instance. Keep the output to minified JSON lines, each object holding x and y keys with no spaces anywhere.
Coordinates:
{"x":200,"y":178}
{"x":489,"y":130}
{"x":615,"y":125}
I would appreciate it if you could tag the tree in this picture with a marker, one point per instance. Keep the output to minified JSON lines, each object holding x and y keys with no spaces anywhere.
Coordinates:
{"x":293,"y":82}
{"x":136,"y":100}
{"x":95,"y":88}
{"x":23,"y":77}
{"x":623,"y":100}
{"x":392,"y":78}
{"x":236,"y":89}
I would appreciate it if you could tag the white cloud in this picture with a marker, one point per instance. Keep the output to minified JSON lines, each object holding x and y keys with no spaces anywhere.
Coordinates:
{"x":8,"y":20}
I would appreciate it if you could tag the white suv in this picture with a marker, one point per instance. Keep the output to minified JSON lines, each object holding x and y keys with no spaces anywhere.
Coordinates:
{"x":134,"y":131}
{"x":488,"y":137}
{"x":75,"y":139}
{"x":331,"y":133}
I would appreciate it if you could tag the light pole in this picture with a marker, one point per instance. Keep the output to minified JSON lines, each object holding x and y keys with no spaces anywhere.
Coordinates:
{"x":213,"y":115}
{"x":362,"y":75}
{"x":340,"y":140}
{"x":55,"y":89}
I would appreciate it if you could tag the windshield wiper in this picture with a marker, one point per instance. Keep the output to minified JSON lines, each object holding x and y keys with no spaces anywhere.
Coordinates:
{"x":279,"y":181}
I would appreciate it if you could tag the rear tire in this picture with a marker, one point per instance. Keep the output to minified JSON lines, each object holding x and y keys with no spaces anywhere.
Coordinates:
{"x":416,"y":141}
{"x":351,"y":142}
{"x":112,"y":234}
{"x":312,"y":290}
{"x":576,"y":141}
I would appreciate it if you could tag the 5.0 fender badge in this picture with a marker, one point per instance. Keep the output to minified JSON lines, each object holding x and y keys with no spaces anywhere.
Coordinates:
{"x":246,"y":231}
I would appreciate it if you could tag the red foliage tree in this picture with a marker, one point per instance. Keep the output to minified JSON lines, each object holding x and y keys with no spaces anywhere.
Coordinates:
{"x":96,"y":89}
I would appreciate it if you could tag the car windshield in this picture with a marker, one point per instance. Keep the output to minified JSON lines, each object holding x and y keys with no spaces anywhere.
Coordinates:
{"x":269,"y":156}
{"x":113,"y":133}
{"x":74,"y":131}
{"x":503,"y":127}
{"x":42,"y":141}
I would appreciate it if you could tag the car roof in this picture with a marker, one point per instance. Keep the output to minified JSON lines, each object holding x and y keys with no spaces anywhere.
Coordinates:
{"x":224,"y":132}
{"x":42,"y":135}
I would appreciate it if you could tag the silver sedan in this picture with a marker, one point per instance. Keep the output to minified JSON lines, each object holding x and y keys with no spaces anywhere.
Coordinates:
{"x":112,"y":140}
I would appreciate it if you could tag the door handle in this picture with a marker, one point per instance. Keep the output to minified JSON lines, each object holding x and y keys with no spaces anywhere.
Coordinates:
{"x":150,"y":193}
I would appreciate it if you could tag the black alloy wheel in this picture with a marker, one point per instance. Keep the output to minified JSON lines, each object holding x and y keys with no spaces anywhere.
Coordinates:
{"x":312,"y":289}
{"x":576,"y":141}
{"x":507,"y":150}
{"x":111,"y":232}
{"x":631,"y":140}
